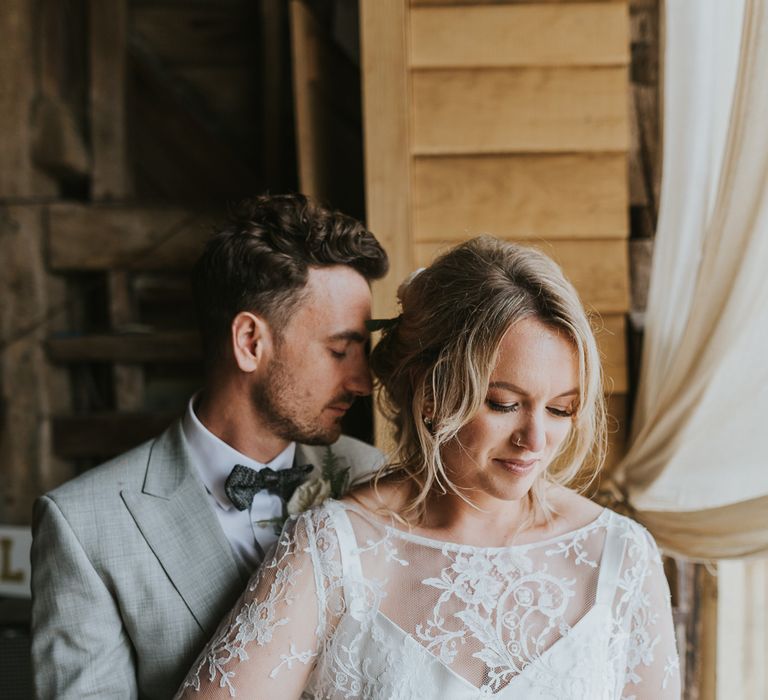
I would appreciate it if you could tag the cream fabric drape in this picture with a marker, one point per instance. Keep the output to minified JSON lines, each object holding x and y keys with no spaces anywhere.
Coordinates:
{"x":697,"y":468}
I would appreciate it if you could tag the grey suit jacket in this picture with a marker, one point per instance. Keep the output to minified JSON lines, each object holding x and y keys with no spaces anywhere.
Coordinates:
{"x":131,"y":572}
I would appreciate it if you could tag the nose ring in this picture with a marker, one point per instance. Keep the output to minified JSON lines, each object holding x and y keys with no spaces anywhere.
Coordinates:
{"x":517,"y":442}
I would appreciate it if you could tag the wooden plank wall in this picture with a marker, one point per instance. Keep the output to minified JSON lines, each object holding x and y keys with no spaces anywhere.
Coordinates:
{"x":101,"y":100}
{"x":33,"y":76}
{"x":509,"y":118}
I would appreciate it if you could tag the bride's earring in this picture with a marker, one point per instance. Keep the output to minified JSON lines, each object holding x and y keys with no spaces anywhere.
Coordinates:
{"x":427,"y":422}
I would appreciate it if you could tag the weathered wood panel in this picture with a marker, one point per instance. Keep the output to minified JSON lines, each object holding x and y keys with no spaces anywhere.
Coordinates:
{"x":586,"y":34}
{"x":59,"y":117}
{"x":645,"y":103}
{"x":306,"y":44}
{"x":327,"y":115}
{"x":275,"y":94}
{"x":126,"y":348}
{"x":107,"y":237}
{"x":110,"y":176}
{"x":520,"y":196}
{"x":104,"y":435}
{"x":18,"y":176}
{"x":128,"y":378}
{"x":30,"y":389}
{"x":207,"y":34}
{"x":598,"y":269}
{"x":166,"y":119}
{"x":519,"y":110}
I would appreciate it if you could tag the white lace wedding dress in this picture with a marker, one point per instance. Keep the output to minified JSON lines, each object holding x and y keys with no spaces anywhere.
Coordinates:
{"x":352,"y":608}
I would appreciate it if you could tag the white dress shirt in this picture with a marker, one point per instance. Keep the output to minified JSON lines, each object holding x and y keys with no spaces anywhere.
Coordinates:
{"x":214,"y":460}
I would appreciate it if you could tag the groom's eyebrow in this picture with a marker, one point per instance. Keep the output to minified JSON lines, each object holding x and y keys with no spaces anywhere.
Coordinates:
{"x":351,"y":336}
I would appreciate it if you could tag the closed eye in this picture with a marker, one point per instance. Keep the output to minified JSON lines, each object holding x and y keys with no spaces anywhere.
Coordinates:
{"x":560,"y":412}
{"x":339,"y":355}
{"x":503,"y":407}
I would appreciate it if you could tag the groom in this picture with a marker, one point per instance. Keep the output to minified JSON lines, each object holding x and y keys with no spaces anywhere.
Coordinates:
{"x":135,"y":562}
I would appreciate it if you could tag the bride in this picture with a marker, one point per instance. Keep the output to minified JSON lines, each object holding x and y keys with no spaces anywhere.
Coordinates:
{"x":468,"y":567}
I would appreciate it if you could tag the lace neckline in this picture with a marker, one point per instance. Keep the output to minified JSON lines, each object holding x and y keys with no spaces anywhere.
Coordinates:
{"x":447,"y":545}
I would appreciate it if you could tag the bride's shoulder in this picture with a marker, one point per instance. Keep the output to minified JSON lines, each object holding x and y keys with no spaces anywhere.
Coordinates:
{"x":572,"y":510}
{"x":374,"y":497}
{"x":573,"y":505}
{"x":575,"y":511}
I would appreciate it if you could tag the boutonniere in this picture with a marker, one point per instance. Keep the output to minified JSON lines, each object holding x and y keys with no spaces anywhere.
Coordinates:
{"x":333,"y":482}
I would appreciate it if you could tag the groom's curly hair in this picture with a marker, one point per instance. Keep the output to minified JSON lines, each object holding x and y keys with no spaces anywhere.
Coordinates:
{"x":259,"y":261}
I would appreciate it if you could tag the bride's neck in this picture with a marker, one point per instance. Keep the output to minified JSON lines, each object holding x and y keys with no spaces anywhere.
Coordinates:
{"x":487,"y":522}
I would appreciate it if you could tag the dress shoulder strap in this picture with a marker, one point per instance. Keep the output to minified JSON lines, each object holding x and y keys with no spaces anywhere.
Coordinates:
{"x":351,"y":566}
{"x":610,"y":563}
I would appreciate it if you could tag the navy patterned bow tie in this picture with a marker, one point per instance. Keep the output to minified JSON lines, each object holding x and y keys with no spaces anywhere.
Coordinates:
{"x":243,"y":483}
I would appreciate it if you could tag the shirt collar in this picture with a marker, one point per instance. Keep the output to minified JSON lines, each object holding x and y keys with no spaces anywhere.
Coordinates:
{"x":215,"y":459}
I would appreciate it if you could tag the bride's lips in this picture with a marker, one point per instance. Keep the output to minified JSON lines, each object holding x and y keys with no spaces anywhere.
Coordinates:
{"x":521,"y":467}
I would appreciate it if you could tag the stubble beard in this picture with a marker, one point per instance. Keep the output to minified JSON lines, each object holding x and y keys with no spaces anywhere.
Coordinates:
{"x":286,"y":414}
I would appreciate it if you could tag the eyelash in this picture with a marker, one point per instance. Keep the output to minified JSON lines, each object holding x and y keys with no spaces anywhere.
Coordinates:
{"x":503,"y":407}
{"x":511,"y":408}
{"x":338,"y":355}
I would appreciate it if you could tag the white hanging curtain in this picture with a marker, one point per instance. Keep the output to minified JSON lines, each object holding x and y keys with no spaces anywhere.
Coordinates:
{"x":697,"y":468}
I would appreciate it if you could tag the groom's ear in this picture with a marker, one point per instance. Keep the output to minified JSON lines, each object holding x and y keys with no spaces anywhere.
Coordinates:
{"x":251,"y":339}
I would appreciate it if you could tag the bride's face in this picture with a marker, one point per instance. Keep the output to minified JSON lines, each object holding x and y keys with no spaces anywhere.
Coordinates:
{"x":528,"y":412}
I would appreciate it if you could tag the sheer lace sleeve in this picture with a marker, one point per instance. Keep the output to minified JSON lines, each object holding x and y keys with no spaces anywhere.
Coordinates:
{"x":652,"y":669}
{"x":274,"y":633}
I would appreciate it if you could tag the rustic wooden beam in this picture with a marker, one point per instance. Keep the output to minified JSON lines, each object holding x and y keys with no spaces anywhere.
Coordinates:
{"x":108,"y":22}
{"x":124,"y":237}
{"x":306,"y":45}
{"x":30,"y":389}
{"x":111,"y":177}
{"x":59,"y":117}
{"x":645,"y":117}
{"x":128,"y":378}
{"x":104,"y":435}
{"x":387,"y":118}
{"x":19,"y":178}
{"x":275,"y":90}
{"x":128,"y":348}
{"x":326,"y":88}
{"x":386,"y":113}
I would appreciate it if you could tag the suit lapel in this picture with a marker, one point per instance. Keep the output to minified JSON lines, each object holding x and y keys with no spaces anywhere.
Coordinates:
{"x":175,"y":517}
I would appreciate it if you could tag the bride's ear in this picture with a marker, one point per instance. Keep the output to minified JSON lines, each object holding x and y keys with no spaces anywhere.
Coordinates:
{"x":428,"y":410}
{"x":251,"y":341}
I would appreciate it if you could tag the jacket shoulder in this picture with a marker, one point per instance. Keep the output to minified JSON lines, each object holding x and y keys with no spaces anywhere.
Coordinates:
{"x":362,"y":458}
{"x":126,"y":471}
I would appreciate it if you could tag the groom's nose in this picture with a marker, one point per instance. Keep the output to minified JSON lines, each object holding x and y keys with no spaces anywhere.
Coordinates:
{"x":358,"y":381}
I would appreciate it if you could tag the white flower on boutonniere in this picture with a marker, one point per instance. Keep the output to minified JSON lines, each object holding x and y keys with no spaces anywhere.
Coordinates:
{"x":311,"y":493}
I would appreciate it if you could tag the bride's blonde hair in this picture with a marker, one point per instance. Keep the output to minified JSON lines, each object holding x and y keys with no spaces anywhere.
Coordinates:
{"x":436,"y":360}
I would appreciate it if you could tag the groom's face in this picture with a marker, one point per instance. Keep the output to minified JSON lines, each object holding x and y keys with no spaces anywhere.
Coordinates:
{"x":319,"y":365}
